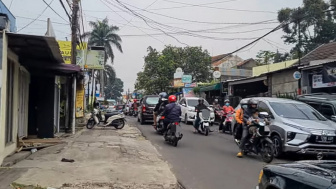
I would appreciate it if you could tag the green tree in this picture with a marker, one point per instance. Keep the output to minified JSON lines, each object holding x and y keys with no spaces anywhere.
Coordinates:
{"x":316,"y":20}
{"x":105,"y":35}
{"x":265,"y":57}
{"x":114,"y":88}
{"x":159,"y":67}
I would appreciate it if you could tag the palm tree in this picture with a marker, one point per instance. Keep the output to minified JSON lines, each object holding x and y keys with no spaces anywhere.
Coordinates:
{"x":103,"y":34}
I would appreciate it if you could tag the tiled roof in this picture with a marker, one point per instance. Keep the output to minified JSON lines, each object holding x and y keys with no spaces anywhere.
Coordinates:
{"x":245,"y":61}
{"x":218,"y":57}
{"x":326,"y":51}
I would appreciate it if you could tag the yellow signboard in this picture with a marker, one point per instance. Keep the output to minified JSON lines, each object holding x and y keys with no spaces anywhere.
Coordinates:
{"x":178,"y":83}
{"x":80,"y":102}
{"x":65,"y":48}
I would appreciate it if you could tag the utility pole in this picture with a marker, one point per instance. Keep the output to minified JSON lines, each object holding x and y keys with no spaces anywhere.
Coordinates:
{"x":299,"y":49}
{"x":74,"y":26}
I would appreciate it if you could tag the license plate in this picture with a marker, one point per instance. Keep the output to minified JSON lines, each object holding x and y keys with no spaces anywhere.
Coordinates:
{"x":324,"y":139}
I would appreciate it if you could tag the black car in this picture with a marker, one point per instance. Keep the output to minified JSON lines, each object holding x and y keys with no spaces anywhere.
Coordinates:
{"x":146,"y":107}
{"x":299,"y":175}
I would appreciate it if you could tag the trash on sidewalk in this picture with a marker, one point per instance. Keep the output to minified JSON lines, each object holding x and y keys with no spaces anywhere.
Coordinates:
{"x":67,"y":160}
{"x":33,"y":150}
{"x":35,"y":143}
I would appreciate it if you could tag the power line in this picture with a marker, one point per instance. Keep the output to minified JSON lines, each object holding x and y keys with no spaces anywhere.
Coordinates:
{"x":220,"y":8}
{"x":196,"y":21}
{"x":138,"y":15}
{"x":131,"y":23}
{"x":62,"y":23}
{"x":65,"y":10}
{"x":10,"y":5}
{"x":36,"y":17}
{"x":54,"y":10}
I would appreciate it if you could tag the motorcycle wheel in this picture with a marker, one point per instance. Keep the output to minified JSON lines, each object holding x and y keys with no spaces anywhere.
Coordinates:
{"x":267,"y":153}
{"x":230,"y":129}
{"x":90,"y":124}
{"x":121,"y":124}
{"x":175,"y":143}
{"x":206,"y":131}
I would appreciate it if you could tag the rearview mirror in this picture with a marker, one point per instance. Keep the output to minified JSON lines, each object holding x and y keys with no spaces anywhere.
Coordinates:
{"x":333,"y":118}
{"x":184,"y":105}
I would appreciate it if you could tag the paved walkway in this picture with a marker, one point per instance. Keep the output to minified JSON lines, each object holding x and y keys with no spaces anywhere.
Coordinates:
{"x":104,"y":158}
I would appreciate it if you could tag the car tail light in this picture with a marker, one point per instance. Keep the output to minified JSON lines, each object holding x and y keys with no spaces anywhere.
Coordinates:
{"x":162,"y":117}
{"x":176,"y":123}
{"x":143,"y":108}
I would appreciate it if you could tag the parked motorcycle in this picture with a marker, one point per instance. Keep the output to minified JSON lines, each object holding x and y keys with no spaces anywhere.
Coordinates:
{"x":262,"y":144}
{"x":228,"y":123}
{"x":115,"y":119}
{"x":172,"y":135}
{"x":204,"y":124}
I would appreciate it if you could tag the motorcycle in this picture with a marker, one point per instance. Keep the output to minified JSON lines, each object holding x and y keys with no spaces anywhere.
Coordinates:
{"x":228,"y":123}
{"x":261,"y":145}
{"x":171,"y":135}
{"x":115,"y":119}
{"x":204,"y":122}
{"x":159,"y":126}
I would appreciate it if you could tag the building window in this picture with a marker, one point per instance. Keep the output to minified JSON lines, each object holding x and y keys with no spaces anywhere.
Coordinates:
{"x":9,"y":102}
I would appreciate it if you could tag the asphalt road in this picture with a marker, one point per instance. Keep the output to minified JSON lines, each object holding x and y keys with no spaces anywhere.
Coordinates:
{"x":206,"y":162}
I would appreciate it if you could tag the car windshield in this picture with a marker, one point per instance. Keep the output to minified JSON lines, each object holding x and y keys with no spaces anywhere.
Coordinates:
{"x":296,"y":111}
{"x":152,"y":100}
{"x":194,"y":102}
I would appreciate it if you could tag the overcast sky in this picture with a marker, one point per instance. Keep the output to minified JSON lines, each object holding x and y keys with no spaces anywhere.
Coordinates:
{"x":221,"y":26}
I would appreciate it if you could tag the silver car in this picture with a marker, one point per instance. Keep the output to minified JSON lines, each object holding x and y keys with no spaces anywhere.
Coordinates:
{"x":297,"y":127}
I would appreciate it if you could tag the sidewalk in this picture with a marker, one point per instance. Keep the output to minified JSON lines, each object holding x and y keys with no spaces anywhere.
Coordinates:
{"x":104,"y":158}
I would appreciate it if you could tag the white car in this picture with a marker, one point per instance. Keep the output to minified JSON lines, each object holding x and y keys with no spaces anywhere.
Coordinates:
{"x":188,"y":109}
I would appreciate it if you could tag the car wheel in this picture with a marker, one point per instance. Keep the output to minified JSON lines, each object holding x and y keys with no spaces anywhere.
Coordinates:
{"x":277,"y":146}
{"x":186,"y":119}
{"x":142,"y":121}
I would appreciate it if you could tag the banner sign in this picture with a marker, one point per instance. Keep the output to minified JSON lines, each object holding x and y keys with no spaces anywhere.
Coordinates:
{"x":80,"y":102}
{"x":190,"y":85}
{"x":188,"y":92}
{"x":186,"y":79}
{"x":329,"y":73}
{"x":95,"y":59}
{"x":65,"y":48}
{"x":317,"y":82}
{"x":178,"y":83}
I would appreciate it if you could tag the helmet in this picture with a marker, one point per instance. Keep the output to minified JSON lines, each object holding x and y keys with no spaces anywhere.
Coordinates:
{"x":135,"y":100}
{"x":163,"y":95}
{"x":226,"y":100}
{"x":200,"y":100}
{"x":172,"y":98}
{"x":252,"y":102}
{"x":242,"y":102}
{"x":216,"y":100}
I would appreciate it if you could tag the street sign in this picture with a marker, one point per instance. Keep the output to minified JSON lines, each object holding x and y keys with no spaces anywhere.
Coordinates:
{"x":216,"y":74}
{"x":297,"y":75}
{"x":186,"y":79}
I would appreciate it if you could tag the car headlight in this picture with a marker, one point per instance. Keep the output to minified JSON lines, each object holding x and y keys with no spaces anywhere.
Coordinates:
{"x":290,"y":135}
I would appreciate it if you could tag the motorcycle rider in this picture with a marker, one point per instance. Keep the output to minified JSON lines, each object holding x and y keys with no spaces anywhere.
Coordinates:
{"x":156,"y":111}
{"x":172,"y":112}
{"x":226,"y":109}
{"x":239,"y":119}
{"x":251,"y":108}
{"x":198,"y":109}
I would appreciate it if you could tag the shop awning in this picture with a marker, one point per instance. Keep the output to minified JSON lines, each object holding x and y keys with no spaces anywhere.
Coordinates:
{"x":40,"y":54}
{"x":211,"y":88}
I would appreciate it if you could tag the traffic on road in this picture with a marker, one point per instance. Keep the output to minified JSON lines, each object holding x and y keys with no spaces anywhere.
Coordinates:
{"x":262,"y":128}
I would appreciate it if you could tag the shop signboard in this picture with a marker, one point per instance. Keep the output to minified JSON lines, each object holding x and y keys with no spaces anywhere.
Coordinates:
{"x":317,"y":82}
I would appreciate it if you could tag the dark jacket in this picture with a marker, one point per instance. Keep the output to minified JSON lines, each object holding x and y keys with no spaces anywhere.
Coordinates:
{"x":172,"y":112}
{"x":160,"y":105}
{"x":248,"y":112}
{"x":199,"y":108}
